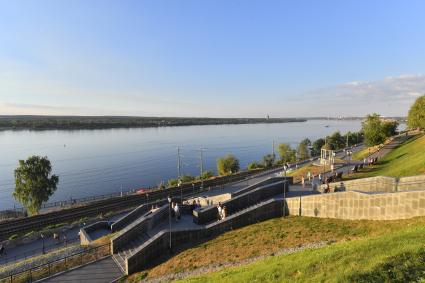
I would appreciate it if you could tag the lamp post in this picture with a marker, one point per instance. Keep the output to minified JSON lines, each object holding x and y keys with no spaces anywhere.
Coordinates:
{"x":42,"y":242}
{"x":169,"y":219}
{"x":349,"y":161}
{"x":179,"y":184}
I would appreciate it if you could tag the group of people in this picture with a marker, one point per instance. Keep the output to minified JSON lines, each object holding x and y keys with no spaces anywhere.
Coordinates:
{"x":57,"y":238}
{"x":222,"y":211}
{"x":370,"y":161}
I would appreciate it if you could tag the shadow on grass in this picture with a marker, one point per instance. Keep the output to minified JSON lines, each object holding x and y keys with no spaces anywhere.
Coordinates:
{"x":405,"y":267}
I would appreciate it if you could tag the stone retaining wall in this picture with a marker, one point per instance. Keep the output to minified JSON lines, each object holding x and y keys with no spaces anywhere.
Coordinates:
{"x":159,"y":244}
{"x":356,"y":205}
{"x":411,"y":183}
{"x":380,"y":184}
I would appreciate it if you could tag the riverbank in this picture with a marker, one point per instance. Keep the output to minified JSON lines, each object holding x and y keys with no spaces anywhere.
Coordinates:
{"x":112,"y":122}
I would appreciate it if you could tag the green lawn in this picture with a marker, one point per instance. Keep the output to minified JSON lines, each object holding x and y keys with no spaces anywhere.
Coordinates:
{"x":406,"y":160}
{"x":269,"y":237}
{"x":394,"y":257}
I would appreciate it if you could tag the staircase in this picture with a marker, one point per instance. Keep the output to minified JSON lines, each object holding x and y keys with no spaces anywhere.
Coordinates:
{"x":129,"y":249}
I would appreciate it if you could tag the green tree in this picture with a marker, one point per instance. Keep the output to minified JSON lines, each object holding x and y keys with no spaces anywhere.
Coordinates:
{"x":336,"y":140}
{"x":253,"y":165}
{"x":206,"y":175}
{"x":227,"y":165}
{"x":317,"y":146}
{"x":389,"y":128}
{"x":416,"y":116}
{"x":268,"y":160}
{"x":302,"y":149}
{"x":287,"y":154}
{"x":186,"y":178}
{"x":172,"y":183}
{"x":373,"y":130}
{"x":34,"y":183}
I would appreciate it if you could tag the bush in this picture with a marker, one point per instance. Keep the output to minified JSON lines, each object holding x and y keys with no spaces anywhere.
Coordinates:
{"x":253,"y":165}
{"x":13,"y":237}
{"x":227,"y":165}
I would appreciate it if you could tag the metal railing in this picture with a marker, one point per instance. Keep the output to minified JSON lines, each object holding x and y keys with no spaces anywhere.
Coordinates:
{"x":53,"y":267}
{"x":43,"y":249}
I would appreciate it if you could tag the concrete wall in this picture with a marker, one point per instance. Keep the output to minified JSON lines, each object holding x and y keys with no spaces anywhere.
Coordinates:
{"x":411,"y":183}
{"x":373,"y":184}
{"x":379,"y":184}
{"x":133,"y":215}
{"x":85,"y":238}
{"x":357,"y":205}
{"x":203,"y":216}
{"x":159,"y":244}
{"x":141,"y":225}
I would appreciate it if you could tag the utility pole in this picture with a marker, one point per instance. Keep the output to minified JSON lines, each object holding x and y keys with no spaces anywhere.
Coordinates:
{"x":346,"y":145}
{"x":202,"y":166}
{"x":178,"y":163}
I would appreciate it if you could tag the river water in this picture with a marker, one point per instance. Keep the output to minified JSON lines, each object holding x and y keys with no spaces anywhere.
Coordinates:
{"x":95,"y":162}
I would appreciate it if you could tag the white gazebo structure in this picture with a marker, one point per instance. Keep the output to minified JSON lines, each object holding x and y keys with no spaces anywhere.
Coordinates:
{"x":327,"y":155}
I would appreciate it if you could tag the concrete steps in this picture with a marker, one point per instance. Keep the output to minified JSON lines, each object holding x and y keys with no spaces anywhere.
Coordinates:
{"x":129,"y":249}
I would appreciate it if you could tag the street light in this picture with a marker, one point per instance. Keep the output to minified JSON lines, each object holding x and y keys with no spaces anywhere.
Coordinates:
{"x":179,"y":184}
{"x":169,"y":218}
{"x":42,"y":240}
{"x":349,"y":160}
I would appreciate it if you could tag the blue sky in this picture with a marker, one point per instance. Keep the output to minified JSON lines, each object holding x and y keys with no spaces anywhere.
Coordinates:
{"x":211,"y":58}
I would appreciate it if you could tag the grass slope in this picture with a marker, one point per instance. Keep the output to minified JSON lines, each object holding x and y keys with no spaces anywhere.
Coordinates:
{"x":406,"y":160}
{"x":268,"y":237}
{"x":395,"y":257}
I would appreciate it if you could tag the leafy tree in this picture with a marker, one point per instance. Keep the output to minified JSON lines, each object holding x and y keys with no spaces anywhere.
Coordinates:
{"x":187,"y":179}
{"x":268,"y":160}
{"x":302,"y":150}
{"x":172,"y":183}
{"x":416,"y":116}
{"x":336,"y":140}
{"x":287,"y":154}
{"x":253,"y":165}
{"x":34,"y":183}
{"x":389,"y":128}
{"x":317,"y":146}
{"x":227,"y":165}
{"x":373,"y":130}
{"x":206,"y":175}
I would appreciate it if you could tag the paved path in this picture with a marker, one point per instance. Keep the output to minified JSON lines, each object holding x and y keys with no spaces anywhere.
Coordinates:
{"x":34,"y":248}
{"x":102,"y":271}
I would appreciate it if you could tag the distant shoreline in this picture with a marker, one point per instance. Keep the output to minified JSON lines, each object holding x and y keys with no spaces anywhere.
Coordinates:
{"x":39,"y":123}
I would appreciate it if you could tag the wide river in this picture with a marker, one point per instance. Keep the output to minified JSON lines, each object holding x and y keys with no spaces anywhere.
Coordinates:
{"x":95,"y":162}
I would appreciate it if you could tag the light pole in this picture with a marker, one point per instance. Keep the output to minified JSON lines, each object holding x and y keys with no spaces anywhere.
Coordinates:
{"x":179,"y":184}
{"x":349,"y":161}
{"x":42,"y":241}
{"x":169,"y":219}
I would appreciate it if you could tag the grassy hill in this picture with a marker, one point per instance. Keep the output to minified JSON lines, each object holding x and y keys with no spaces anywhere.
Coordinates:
{"x":395,"y":257}
{"x":270,"y":237}
{"x":406,"y":160}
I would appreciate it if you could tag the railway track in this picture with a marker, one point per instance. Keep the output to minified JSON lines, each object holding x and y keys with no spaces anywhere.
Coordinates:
{"x":37,"y":222}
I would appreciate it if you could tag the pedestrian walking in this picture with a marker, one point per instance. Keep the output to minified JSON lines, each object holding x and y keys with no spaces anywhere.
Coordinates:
{"x":1,"y":250}
{"x":309,"y":175}
{"x":303,"y":181}
{"x":177,"y":212}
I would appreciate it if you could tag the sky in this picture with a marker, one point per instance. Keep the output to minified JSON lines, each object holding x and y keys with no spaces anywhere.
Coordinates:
{"x":218,"y":58}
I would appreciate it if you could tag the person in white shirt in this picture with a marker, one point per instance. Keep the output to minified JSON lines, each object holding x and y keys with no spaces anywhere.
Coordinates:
{"x":177,"y":211}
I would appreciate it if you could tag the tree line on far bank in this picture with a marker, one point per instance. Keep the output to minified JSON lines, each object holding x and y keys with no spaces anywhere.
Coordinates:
{"x":35,"y":183}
